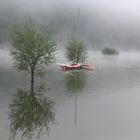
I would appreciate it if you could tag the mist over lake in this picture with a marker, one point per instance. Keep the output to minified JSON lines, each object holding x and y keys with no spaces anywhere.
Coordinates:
{"x":107,"y":101}
{"x":99,"y":104}
{"x":101,"y":23}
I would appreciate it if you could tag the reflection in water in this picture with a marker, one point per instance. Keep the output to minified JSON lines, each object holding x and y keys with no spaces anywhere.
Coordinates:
{"x":75,"y":82}
{"x":30,"y":114}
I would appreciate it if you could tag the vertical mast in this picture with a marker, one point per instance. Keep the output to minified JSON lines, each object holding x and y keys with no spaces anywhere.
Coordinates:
{"x":76,"y":76}
{"x":78,"y":14}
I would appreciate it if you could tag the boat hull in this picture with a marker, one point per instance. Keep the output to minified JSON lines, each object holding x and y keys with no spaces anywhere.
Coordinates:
{"x":66,"y":68}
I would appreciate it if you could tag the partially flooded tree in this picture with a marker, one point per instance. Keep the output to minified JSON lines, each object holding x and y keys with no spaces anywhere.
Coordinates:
{"x":76,"y":52}
{"x":32,"y":46}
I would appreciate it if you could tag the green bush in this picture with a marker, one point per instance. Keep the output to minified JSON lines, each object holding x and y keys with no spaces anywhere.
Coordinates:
{"x":76,"y":51}
{"x":110,"y":51}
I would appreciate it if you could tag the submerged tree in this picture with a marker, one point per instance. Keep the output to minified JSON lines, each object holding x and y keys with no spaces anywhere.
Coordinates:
{"x":32,"y":46}
{"x":76,"y":52}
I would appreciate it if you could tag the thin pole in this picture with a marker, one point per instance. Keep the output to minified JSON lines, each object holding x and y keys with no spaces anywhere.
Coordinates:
{"x":75,"y":110}
{"x":78,"y":15}
{"x":76,"y":76}
{"x":76,"y":91}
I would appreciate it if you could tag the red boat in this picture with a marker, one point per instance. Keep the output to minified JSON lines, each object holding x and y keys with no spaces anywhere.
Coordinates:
{"x":66,"y":67}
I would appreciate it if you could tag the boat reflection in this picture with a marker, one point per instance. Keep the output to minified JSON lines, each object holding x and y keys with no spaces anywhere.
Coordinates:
{"x":30,"y":114}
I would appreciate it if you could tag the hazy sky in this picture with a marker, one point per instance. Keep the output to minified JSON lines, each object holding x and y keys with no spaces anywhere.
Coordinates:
{"x":128,"y":7}
{"x":111,"y":20}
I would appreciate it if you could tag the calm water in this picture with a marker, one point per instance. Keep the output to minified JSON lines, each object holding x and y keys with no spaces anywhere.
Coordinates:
{"x":100,"y":105}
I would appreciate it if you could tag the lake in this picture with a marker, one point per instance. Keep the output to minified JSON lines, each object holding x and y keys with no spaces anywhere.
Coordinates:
{"x":103,"y":104}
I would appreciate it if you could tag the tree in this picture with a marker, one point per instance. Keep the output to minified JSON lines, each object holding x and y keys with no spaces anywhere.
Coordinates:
{"x":76,"y":51}
{"x":32,"y":46}
{"x":110,"y":51}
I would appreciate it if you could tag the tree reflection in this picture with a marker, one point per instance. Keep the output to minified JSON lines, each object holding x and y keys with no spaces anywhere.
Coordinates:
{"x":30,"y":114}
{"x":75,"y":81}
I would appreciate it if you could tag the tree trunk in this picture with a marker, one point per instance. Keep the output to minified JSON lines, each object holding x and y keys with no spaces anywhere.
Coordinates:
{"x":32,"y":81}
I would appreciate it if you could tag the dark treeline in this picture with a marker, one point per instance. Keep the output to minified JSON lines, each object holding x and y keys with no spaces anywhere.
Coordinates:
{"x":96,"y":29}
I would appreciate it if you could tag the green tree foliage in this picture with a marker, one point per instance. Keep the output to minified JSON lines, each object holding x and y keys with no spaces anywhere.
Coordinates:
{"x":76,"y":51}
{"x":32,"y":46}
{"x":110,"y":51}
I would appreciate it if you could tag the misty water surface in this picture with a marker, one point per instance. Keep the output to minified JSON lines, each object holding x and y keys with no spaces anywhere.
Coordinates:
{"x":101,"y":105}
{"x":107,"y":99}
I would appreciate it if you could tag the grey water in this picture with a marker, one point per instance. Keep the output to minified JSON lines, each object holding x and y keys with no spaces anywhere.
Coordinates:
{"x":103,"y":104}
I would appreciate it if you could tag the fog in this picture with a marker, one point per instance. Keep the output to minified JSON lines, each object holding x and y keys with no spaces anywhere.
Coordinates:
{"x":102,"y":23}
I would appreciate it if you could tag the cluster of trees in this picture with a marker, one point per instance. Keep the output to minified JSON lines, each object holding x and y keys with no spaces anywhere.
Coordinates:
{"x":33,"y":47}
{"x":110,"y":51}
